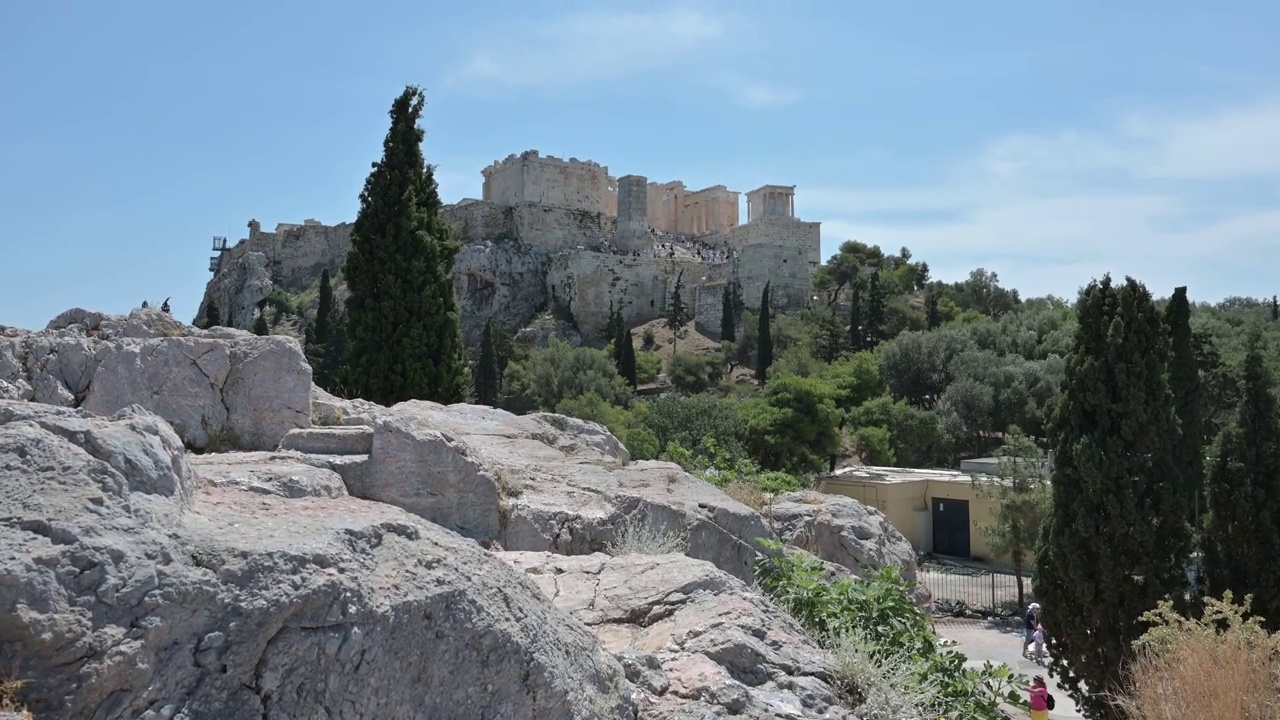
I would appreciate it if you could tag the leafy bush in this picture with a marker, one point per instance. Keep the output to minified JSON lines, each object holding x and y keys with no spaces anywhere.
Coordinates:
{"x":693,"y":374}
{"x":648,"y":367}
{"x":558,"y":371}
{"x":874,"y":624}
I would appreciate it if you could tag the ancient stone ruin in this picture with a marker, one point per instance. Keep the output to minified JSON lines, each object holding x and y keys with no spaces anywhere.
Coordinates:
{"x":551,"y":232}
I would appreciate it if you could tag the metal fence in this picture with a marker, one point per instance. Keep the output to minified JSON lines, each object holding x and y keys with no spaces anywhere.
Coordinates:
{"x":960,"y":588}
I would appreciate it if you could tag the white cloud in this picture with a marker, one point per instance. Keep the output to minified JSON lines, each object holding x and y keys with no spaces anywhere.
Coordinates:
{"x":588,"y":46}
{"x":1050,"y":212}
{"x":756,"y":94}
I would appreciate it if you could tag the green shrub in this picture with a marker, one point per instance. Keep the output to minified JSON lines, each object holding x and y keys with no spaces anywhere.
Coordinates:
{"x":875,"y":624}
{"x":648,"y":367}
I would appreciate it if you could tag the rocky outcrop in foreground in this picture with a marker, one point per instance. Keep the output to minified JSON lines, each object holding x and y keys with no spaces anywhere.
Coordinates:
{"x":697,"y":642}
{"x":217,"y":388}
{"x":131,"y":588}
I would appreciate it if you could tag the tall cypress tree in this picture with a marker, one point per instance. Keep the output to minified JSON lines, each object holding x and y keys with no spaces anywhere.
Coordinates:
{"x":728,"y":329}
{"x":857,"y":338}
{"x":486,"y":377}
{"x":1188,"y":401}
{"x":212,"y":318}
{"x":764,"y":338}
{"x":932,"y":314}
{"x":1116,"y":541}
{"x":678,"y":313}
{"x":402,"y":313}
{"x":627,"y":366}
{"x":324,"y":347}
{"x":1242,"y":532}
{"x":874,"y":327}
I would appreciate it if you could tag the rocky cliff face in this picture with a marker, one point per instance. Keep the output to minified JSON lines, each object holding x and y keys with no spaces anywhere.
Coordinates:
{"x":369,"y":562}
{"x":504,"y":280}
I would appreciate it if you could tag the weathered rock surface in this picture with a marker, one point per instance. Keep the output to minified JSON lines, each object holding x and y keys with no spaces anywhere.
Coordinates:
{"x":283,"y":474}
{"x":842,"y":531}
{"x":544,"y":483}
{"x":697,"y":642}
{"x":127,"y":590}
{"x":238,"y":287}
{"x":353,"y":440}
{"x":216,"y":387}
{"x":501,"y":280}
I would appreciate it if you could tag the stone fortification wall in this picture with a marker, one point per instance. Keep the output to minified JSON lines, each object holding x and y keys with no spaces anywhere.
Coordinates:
{"x":786,"y":267}
{"x":555,"y":228}
{"x":588,"y":281}
{"x":708,"y":305}
{"x":782,"y":232}
{"x":532,"y":178}
{"x":477,"y":221}
{"x":296,"y":254}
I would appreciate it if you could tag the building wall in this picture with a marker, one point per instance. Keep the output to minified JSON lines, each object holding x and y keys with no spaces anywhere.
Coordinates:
{"x":786,"y":232}
{"x":532,"y":178}
{"x":297,"y":254}
{"x":708,"y":307}
{"x":477,"y":221}
{"x":908,"y":505}
{"x":786,"y":268}
{"x":554,"y":228}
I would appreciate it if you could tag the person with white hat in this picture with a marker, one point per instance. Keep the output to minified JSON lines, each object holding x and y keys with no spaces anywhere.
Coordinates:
{"x":1029,"y":624}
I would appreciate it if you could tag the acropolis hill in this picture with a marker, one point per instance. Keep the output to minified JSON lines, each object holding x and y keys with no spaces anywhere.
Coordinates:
{"x":548,"y":230}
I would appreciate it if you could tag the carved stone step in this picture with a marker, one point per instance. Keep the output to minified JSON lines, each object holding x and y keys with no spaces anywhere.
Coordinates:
{"x":350,"y":440}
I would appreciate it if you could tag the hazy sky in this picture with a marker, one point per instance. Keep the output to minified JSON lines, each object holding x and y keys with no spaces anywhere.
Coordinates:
{"x":1049,"y":141}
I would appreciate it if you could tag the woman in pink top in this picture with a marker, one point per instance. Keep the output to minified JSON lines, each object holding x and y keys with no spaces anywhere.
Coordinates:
{"x":1041,"y":700}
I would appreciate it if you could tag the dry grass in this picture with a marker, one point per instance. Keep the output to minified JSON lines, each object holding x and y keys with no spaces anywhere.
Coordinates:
{"x":636,"y":536}
{"x":879,"y":688}
{"x":1219,"y":666}
{"x":693,"y":342}
{"x":9,"y":698}
{"x":747,"y":494}
{"x":1205,"y":676}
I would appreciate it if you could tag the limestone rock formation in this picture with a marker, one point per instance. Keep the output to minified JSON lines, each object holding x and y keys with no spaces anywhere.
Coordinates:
{"x":135,"y":588}
{"x":842,"y":531}
{"x":697,"y":642}
{"x":214,"y":386}
{"x":237,"y":289}
{"x":544,"y":483}
{"x":501,"y":280}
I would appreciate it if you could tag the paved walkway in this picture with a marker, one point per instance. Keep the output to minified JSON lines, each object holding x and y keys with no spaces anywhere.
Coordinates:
{"x":981,"y":641}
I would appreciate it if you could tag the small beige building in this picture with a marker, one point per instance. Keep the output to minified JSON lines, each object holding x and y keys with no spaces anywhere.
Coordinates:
{"x":939,"y":511}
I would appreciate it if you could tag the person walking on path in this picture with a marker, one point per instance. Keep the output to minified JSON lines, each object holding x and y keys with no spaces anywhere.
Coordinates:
{"x":1029,"y":624}
{"x":1041,"y":700}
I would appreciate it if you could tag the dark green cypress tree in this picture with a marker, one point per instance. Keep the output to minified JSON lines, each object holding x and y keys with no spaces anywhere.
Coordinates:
{"x":402,"y":314}
{"x":1242,"y":532}
{"x":1116,"y":541}
{"x":875,"y":313}
{"x":764,"y":338}
{"x":1275,"y":308}
{"x":728,"y":319}
{"x":612,"y":327}
{"x":628,"y":364}
{"x":678,"y":313}
{"x":932,"y":314}
{"x":260,"y":326}
{"x":1188,"y":401}
{"x":857,"y":338}
{"x":322,"y":347}
{"x":212,"y":318}
{"x":486,"y":377}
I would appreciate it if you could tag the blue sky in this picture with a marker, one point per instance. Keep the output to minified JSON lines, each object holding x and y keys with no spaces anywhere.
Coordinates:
{"x":1049,"y":141}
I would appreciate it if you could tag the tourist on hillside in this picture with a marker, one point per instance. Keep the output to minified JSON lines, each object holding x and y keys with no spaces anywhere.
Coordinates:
{"x":1029,"y":624}
{"x":1041,"y":700}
